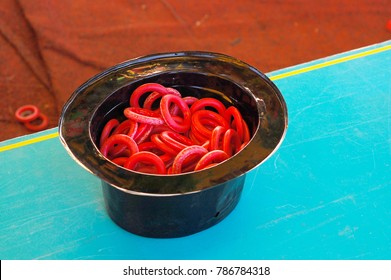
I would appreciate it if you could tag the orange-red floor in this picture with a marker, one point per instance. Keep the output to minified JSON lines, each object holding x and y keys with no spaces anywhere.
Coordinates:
{"x":48,"y":48}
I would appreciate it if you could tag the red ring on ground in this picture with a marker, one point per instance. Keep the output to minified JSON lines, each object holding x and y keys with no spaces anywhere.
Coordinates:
{"x":40,"y":126}
{"x":388,"y":25}
{"x":173,"y":91}
{"x":34,"y":113}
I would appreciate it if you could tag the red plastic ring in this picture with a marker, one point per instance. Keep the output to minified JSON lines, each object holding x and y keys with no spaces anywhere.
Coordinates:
{"x":175,"y":140}
{"x":141,"y":90}
{"x":120,"y":160}
{"x":156,"y":138}
{"x":128,"y":127}
{"x":153,"y":148}
{"x":148,"y":146}
{"x":27,"y":113}
{"x":196,"y":137}
{"x":143,"y":132}
{"x":204,"y":121}
{"x":160,"y":128}
{"x":107,"y":129}
{"x":142,"y":115}
{"x":215,"y":156}
{"x":119,"y":139}
{"x":208,"y":102}
{"x":146,"y":157}
{"x":215,"y":138}
{"x":165,"y":104}
{"x":231,"y":142}
{"x":40,"y":126}
{"x":191,"y":151}
{"x":173,"y":91}
{"x":190,"y":100}
{"x":233,"y":112}
{"x":150,"y":100}
{"x":148,"y":103}
{"x":388,"y":25}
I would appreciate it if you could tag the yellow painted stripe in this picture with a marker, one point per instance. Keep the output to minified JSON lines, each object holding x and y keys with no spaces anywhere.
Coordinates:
{"x":28,"y":142}
{"x":329,"y":63}
{"x":273,"y":78}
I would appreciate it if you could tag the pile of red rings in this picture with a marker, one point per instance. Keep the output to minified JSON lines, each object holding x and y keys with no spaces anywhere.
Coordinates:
{"x":171,"y":134}
{"x":32,"y":118}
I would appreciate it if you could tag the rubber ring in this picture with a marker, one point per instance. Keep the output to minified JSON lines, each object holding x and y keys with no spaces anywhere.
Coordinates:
{"x":165,"y":103}
{"x":175,"y":140}
{"x":150,"y":100}
{"x":231,"y":142}
{"x":120,"y":160}
{"x":197,"y":137}
{"x":143,"y":132}
{"x":107,"y":129}
{"x":217,"y":133}
{"x":128,"y":127}
{"x":20,"y":113}
{"x":40,"y":126}
{"x":118,"y":151}
{"x":173,"y":91}
{"x":215,"y":156}
{"x":119,"y":139}
{"x":141,"y":90}
{"x":142,"y":115}
{"x":204,"y":121}
{"x":148,"y":103}
{"x":191,"y":151}
{"x":189,"y":100}
{"x":156,"y":138}
{"x":152,"y":147}
{"x":208,"y":102}
{"x":233,"y":112}
{"x":145,"y":157}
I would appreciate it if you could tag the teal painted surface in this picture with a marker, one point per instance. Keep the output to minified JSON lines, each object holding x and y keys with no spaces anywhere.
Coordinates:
{"x":325,"y":194}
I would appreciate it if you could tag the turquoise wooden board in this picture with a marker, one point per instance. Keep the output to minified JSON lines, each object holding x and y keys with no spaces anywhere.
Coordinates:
{"x":325,"y":194}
